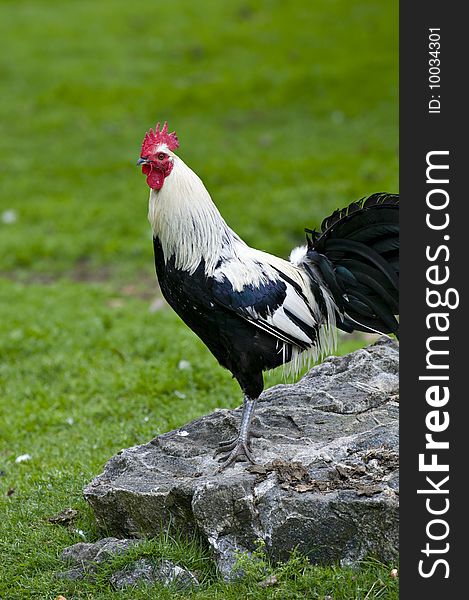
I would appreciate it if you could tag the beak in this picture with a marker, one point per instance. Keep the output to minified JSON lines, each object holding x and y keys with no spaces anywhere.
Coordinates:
{"x":142,"y":161}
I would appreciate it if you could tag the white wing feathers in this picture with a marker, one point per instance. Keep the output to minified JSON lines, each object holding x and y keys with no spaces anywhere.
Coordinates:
{"x":271,"y":293}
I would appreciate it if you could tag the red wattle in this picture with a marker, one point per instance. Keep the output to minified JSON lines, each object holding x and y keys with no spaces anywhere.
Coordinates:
{"x":155,"y":177}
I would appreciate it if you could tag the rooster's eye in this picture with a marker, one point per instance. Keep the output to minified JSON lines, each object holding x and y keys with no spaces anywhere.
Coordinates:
{"x":161,"y":156}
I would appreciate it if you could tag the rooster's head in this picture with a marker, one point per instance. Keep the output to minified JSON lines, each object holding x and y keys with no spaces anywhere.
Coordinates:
{"x":156,"y":157}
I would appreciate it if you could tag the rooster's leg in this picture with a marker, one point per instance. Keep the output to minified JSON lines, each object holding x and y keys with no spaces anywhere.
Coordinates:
{"x":239,"y":448}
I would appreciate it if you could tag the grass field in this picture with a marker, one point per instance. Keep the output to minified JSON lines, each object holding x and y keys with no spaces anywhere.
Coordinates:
{"x":285,"y":110}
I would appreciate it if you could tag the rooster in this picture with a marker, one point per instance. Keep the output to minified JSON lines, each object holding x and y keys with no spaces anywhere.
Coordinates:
{"x":255,"y":311}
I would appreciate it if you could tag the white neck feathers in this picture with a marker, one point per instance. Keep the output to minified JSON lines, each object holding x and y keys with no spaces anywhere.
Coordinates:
{"x":187,"y":222}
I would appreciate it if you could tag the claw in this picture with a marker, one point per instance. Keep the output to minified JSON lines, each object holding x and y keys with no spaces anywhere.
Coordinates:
{"x":231,"y":444}
{"x":228,"y":442}
{"x":240,"y":451}
{"x":225,"y":447}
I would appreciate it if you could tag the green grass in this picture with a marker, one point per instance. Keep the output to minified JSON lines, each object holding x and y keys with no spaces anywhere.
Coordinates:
{"x":286,"y":111}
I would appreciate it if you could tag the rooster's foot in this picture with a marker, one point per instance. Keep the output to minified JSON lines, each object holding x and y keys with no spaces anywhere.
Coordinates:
{"x":236,"y":450}
{"x":239,"y":448}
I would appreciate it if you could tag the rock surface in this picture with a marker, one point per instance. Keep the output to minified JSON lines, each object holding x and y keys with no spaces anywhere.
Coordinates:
{"x":327,"y":478}
{"x":143,"y":570}
{"x":84,"y":560}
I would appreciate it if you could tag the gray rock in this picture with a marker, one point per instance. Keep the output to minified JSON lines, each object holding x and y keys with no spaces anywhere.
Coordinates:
{"x":144,"y":570}
{"x":86,"y":558}
{"x":141,"y":571}
{"x":82,"y":554}
{"x":327,"y":478}
{"x":170,"y":574}
{"x":76,"y":574}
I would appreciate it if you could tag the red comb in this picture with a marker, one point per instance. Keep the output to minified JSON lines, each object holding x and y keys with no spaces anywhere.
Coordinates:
{"x":157,"y":137}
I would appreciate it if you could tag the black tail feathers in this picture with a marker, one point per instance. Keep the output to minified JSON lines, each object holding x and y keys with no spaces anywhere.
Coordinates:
{"x":357,"y":255}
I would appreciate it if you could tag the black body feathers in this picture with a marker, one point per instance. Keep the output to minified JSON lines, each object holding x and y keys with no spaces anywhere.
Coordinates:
{"x":357,"y":254}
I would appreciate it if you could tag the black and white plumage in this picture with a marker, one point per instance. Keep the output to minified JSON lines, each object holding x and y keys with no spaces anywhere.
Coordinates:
{"x":255,"y":311}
